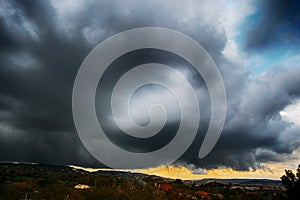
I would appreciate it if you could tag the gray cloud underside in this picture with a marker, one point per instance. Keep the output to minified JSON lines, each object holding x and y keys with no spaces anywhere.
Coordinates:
{"x":42,"y":49}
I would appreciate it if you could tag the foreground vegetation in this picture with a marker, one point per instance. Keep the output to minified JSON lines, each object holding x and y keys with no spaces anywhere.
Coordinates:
{"x":291,"y":182}
{"x":27,"y":181}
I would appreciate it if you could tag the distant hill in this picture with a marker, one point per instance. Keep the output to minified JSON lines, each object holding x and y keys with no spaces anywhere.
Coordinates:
{"x":43,"y":181}
{"x":266,"y":182}
{"x":47,"y":168}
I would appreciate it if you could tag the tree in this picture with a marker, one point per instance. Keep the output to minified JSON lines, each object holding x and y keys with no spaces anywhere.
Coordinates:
{"x":292,"y":183}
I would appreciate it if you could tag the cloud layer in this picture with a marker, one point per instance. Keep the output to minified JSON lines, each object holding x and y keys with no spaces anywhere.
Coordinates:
{"x":42,"y":45}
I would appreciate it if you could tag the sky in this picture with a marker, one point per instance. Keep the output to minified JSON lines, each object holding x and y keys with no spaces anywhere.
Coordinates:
{"x":253,"y":43}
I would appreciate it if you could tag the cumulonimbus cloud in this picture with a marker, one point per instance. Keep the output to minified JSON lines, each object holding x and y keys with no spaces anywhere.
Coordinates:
{"x":43,"y":44}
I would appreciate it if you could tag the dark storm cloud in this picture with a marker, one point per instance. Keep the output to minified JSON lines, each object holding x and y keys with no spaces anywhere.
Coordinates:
{"x":254,"y":131}
{"x":40,"y":53}
{"x":275,"y":23}
{"x":36,"y":85}
{"x":40,"y":90}
{"x":43,"y":45}
{"x":256,"y":121}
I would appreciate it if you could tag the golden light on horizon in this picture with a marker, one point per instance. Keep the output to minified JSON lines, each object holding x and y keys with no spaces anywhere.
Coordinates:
{"x":268,"y":171}
{"x":271,"y":170}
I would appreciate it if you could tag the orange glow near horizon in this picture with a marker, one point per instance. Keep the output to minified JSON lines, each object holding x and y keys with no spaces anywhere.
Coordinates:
{"x":268,"y":171}
{"x":271,"y":170}
{"x":222,"y":173}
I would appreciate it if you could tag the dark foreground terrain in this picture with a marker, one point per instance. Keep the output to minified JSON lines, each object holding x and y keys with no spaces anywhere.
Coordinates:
{"x":36,"y":181}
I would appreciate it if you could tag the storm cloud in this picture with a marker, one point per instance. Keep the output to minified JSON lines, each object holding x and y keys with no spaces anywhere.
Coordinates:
{"x":275,"y":23}
{"x":43,"y":44}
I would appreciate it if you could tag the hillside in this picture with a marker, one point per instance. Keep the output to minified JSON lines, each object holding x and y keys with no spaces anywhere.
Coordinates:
{"x":38,"y":181}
